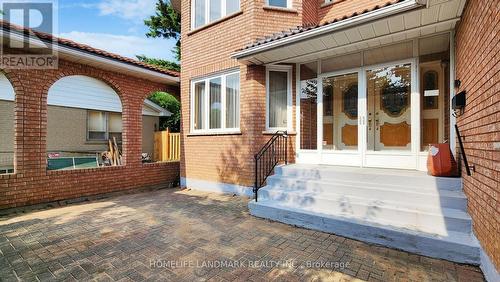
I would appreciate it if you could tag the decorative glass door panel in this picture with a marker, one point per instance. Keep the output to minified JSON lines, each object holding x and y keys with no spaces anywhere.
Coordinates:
{"x":389,"y":108}
{"x":340,"y":112}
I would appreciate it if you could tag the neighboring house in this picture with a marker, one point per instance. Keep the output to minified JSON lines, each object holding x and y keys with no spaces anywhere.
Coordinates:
{"x":83,"y":113}
{"x":70,"y":113}
{"x":354,"y":83}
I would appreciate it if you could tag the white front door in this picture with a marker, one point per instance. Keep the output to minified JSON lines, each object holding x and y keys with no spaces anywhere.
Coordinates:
{"x":391,"y":130}
{"x":369,"y":116}
{"x":338,"y":115}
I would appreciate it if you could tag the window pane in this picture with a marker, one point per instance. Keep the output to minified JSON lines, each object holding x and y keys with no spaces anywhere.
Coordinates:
{"x":199,"y":104}
{"x":97,"y":121}
{"x":94,"y":135}
{"x":199,"y":14}
{"x":340,"y":112}
{"x":341,"y":62}
{"x":308,"y":114}
{"x":278,"y":98}
{"x":215,"y":10}
{"x":215,"y":103}
{"x":278,"y":3}
{"x":233,"y":100}
{"x":115,"y":122}
{"x":388,"y":53}
{"x":118,"y":136}
{"x":232,"y":6}
{"x":389,"y":108}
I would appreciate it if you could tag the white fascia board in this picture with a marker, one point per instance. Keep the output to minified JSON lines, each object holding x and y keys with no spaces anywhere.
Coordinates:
{"x":156,"y":76}
{"x":162,"y":112}
{"x":363,"y":18}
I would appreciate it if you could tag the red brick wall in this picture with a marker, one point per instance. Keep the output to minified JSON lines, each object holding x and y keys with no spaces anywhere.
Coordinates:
{"x":33,"y":184}
{"x":229,"y":158}
{"x":478,"y":67}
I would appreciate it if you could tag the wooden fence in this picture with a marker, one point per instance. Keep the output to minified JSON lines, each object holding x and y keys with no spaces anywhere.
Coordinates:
{"x":167,"y":146}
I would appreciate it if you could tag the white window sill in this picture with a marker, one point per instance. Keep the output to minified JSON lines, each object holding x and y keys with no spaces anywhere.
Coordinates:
{"x":214,"y":133}
{"x":328,"y":4}
{"x":225,"y":18}
{"x":273,"y":131}
{"x":280,"y":9}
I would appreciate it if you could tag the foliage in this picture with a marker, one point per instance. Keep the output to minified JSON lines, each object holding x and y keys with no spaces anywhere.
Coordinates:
{"x":170,"y":103}
{"x":166,"y":23}
{"x":160,"y":63}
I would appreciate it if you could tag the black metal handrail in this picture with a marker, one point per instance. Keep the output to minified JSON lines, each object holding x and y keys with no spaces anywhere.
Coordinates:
{"x":272,"y":153}
{"x":462,"y":151}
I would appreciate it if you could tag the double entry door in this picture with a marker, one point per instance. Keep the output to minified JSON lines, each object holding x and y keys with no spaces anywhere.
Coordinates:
{"x":365,"y":116}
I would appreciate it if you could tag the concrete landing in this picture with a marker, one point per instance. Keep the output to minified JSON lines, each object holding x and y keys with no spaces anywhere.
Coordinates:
{"x":407,"y":210}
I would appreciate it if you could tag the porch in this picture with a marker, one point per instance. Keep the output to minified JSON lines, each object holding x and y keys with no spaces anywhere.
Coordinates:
{"x":402,"y":209}
{"x":370,"y":90}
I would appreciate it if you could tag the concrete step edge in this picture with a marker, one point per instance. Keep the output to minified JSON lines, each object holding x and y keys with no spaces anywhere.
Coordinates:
{"x":461,"y":246}
{"x":359,"y":184}
{"x":446,"y":212}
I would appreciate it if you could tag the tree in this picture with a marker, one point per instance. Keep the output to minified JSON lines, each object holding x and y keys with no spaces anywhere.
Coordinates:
{"x":159,"y":62}
{"x":170,"y":103}
{"x":166,"y":23}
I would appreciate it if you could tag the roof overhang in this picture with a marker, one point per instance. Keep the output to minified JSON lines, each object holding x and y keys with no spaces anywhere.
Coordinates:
{"x":83,"y":57}
{"x":161,"y":111}
{"x":395,"y":23}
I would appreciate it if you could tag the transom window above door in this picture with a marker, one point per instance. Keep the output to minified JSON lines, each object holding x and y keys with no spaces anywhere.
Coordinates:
{"x":204,"y":12}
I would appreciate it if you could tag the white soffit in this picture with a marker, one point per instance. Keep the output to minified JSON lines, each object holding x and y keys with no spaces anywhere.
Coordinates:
{"x":438,"y":17}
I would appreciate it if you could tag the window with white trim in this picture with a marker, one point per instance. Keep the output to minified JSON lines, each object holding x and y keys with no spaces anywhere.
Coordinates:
{"x":279,"y":3}
{"x":278,"y":89}
{"x":102,"y":126}
{"x":215,"y":103}
{"x":207,"y":11}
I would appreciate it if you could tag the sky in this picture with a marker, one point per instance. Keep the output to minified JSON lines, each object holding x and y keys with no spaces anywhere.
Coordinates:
{"x":113,"y":25}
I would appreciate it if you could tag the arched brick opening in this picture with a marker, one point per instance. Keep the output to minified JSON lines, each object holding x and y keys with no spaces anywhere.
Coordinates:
{"x":8,"y":100}
{"x":84,"y":113}
{"x":159,"y":141}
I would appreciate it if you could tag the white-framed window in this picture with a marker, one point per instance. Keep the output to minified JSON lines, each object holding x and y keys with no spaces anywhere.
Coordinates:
{"x":206,"y":11}
{"x":279,"y":3}
{"x":278,"y":98}
{"x":102,"y":126}
{"x":215,"y":103}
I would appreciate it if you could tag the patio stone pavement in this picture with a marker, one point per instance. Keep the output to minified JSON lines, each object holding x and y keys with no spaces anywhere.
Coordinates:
{"x":187,"y":235}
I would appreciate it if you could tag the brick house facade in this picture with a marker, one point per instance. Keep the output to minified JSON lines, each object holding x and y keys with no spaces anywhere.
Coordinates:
{"x":223,"y":161}
{"x":31,"y":183}
{"x":478,"y":69}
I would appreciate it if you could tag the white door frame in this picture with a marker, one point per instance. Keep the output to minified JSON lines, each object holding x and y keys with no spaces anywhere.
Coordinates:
{"x":362,"y":157}
{"x":337,"y":157}
{"x":388,"y":158}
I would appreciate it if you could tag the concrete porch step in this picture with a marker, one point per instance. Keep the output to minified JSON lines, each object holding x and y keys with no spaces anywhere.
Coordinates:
{"x":425,"y":218}
{"x":404,"y":179}
{"x":454,"y":246}
{"x":433,"y":199}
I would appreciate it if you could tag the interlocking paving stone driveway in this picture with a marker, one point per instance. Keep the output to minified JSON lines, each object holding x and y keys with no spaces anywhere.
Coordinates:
{"x":186,"y":235}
